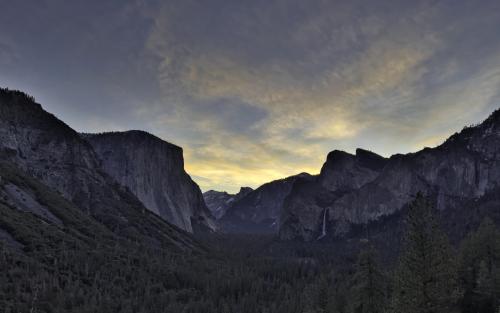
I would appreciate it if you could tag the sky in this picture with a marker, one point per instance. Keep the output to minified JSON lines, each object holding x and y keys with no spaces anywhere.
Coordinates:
{"x":256,"y":90}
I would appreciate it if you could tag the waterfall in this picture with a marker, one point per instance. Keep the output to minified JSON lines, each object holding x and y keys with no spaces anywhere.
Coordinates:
{"x":323,"y":232}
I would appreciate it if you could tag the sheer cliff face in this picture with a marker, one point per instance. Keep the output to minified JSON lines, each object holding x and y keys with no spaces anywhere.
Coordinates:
{"x":218,"y":202}
{"x":465,"y":167}
{"x":42,"y":147}
{"x":153,"y":170}
{"x":307,"y":208}
{"x":344,"y":172}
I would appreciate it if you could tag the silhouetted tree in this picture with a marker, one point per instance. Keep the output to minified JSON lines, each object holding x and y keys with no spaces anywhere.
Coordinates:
{"x":369,"y":290}
{"x":426,"y":277}
{"x":479,"y":269}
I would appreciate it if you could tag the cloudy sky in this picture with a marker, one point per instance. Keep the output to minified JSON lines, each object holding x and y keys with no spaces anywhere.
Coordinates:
{"x":255,"y":90}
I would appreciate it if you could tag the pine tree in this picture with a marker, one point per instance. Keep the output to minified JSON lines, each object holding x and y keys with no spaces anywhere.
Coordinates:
{"x":323,"y":295}
{"x":338,"y":300}
{"x":479,"y":269}
{"x":369,"y":285}
{"x":426,"y":278}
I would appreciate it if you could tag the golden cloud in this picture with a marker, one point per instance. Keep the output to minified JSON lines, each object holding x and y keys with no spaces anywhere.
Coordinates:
{"x":305,"y":114}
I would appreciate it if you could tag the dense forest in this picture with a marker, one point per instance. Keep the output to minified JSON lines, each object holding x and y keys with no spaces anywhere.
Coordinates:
{"x":238,"y":275}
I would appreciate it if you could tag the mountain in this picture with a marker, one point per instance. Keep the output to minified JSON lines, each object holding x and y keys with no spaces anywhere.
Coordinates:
{"x":74,"y":239}
{"x":365,"y":188}
{"x":259,"y":210}
{"x":36,"y":146}
{"x":304,"y":212}
{"x":219,"y":201}
{"x":35,"y":216}
{"x":153,"y":170}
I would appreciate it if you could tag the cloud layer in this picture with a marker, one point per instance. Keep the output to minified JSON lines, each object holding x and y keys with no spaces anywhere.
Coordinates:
{"x":259,"y":90}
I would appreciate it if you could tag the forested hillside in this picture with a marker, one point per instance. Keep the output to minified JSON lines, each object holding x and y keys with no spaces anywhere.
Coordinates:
{"x":86,"y":269}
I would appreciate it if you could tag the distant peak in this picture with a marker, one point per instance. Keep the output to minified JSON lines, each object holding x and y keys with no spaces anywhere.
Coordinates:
{"x":303,"y":174}
{"x":245,"y":189}
{"x":362,"y":157}
{"x":214,"y":192}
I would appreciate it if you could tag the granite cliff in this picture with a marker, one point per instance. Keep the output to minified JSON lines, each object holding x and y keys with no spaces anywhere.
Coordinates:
{"x":36,"y":145}
{"x":153,"y":170}
{"x":361,"y":189}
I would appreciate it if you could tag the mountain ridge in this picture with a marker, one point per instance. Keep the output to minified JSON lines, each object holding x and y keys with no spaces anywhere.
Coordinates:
{"x":465,"y":166}
{"x":258,"y":211}
{"x":46,"y":149}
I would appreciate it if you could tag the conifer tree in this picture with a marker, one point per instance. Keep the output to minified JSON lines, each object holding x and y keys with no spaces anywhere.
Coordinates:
{"x":323,"y":295}
{"x":479,"y":269}
{"x":368,"y":294}
{"x":426,"y":277}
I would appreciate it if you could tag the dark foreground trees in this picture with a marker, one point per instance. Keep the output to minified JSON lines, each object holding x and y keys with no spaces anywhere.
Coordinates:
{"x":370,"y":285}
{"x":480,"y":269}
{"x":71,"y":277}
{"x":426,"y":277}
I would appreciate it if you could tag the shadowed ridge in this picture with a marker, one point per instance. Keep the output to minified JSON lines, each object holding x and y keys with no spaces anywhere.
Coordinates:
{"x":46,"y":149}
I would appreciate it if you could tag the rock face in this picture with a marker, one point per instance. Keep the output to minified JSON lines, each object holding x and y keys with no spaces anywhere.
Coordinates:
{"x":42,"y":147}
{"x":343,"y":172}
{"x":219,"y":201}
{"x":356,"y":190}
{"x":306,"y":210}
{"x":153,"y":170}
{"x":32,"y":214}
{"x":47,"y":149}
{"x":259,"y":211}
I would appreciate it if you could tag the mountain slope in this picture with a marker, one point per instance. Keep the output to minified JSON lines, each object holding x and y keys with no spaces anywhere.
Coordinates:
{"x":218,"y":202}
{"x":153,"y":170}
{"x":46,"y":149}
{"x":25,"y":199}
{"x":259,"y":210}
{"x":465,"y":167}
{"x":305,"y":209}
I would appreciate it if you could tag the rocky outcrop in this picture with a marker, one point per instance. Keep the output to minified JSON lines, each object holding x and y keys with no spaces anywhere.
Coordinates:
{"x":259,"y":211}
{"x":42,"y":147}
{"x":465,"y":167}
{"x":306,"y":208}
{"x":218,"y":202}
{"x":344,"y":172}
{"x":153,"y":170}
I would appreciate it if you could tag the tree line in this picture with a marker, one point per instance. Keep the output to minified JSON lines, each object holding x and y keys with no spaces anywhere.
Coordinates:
{"x":430,"y":276}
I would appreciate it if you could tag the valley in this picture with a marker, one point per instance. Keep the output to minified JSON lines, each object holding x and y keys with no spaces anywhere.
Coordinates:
{"x":112,"y":223}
